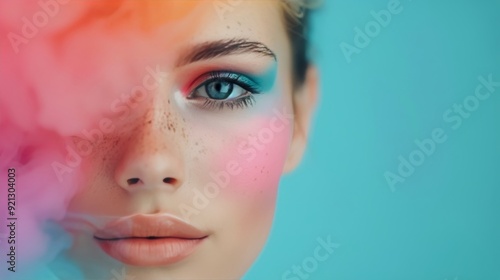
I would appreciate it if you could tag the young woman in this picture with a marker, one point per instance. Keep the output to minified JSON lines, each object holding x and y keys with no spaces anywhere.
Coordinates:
{"x":201,"y":107}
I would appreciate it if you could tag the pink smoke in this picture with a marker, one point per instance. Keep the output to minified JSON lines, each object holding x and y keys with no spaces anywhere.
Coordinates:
{"x":63,"y":63}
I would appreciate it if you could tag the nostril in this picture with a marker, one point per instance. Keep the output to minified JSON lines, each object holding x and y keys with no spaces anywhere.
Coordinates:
{"x":133,"y":181}
{"x":169,"y":180}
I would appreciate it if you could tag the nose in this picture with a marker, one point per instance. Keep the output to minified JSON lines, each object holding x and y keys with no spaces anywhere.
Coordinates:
{"x":151,"y":159}
{"x":148,"y":171}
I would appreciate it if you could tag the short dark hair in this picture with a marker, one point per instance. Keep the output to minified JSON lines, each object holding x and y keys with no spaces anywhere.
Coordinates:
{"x":297,"y":26}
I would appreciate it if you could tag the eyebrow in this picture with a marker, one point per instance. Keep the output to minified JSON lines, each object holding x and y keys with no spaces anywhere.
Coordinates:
{"x":213,"y":49}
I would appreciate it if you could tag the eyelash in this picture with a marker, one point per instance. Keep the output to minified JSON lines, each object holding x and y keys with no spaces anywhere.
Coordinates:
{"x":244,"y":101}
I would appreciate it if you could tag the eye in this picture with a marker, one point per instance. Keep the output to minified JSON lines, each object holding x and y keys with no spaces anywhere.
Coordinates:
{"x":222,"y":89}
{"x":225,"y":89}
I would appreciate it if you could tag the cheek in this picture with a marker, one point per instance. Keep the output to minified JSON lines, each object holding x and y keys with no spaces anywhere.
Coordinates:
{"x":254,"y":160}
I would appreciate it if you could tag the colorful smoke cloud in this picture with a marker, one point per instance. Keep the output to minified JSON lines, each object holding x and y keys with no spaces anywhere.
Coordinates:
{"x":63,"y":62}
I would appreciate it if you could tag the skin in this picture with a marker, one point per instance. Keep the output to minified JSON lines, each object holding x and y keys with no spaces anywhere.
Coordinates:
{"x":168,"y":135}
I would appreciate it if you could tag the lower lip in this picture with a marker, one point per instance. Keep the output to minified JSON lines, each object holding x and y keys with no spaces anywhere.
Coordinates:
{"x":150,"y":252}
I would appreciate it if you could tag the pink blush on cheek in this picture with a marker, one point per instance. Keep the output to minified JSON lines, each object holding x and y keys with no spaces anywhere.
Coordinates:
{"x":255,"y":160}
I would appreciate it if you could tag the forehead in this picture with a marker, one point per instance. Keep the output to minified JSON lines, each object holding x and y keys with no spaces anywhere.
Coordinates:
{"x":252,"y":20}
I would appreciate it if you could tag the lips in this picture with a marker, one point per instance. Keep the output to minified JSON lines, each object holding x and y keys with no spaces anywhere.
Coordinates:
{"x":149,"y":240}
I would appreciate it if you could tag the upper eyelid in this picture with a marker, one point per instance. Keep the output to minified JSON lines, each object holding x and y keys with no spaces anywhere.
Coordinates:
{"x":219,"y":73}
{"x":261,"y":72}
{"x":209,"y":76}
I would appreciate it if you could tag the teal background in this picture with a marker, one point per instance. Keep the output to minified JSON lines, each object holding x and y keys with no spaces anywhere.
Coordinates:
{"x":443,"y":221}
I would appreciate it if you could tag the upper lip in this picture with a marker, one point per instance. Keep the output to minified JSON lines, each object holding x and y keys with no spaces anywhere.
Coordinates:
{"x":149,"y":226}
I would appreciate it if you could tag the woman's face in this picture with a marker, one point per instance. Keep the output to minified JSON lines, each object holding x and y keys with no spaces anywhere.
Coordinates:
{"x":182,"y":180}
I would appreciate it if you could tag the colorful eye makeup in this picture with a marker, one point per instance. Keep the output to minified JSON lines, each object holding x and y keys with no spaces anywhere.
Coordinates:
{"x":224,"y":89}
{"x":229,"y":89}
